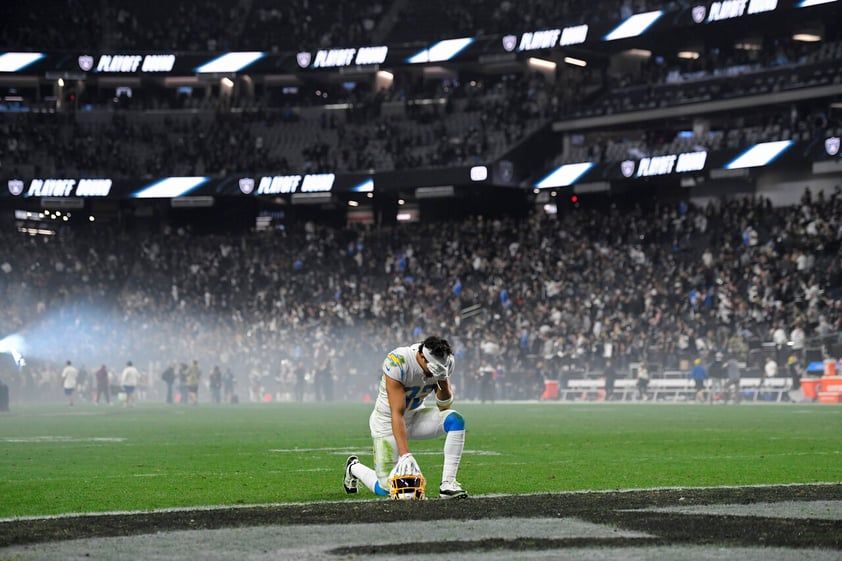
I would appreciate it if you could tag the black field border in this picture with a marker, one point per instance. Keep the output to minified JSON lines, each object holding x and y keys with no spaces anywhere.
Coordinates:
{"x":622,"y":509}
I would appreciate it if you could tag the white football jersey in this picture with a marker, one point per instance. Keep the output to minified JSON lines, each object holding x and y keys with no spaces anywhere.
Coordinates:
{"x":402,"y":365}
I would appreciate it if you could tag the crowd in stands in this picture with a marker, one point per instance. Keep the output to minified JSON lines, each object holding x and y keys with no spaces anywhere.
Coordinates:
{"x":722,"y":71}
{"x":463,"y":124}
{"x":535,"y":296}
{"x":199,"y":26}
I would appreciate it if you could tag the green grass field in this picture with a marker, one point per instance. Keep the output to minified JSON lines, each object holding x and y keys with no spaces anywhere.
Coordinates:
{"x":56,"y":459}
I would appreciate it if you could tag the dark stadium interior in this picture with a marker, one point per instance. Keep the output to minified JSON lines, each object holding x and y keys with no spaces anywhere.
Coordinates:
{"x":545,"y":282}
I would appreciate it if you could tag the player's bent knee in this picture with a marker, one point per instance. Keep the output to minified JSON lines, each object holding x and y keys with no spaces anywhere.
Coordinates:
{"x":378,"y":490}
{"x":454,"y":421}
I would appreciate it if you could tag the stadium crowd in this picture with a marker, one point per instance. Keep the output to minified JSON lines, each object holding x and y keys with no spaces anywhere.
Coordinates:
{"x":534,"y":296}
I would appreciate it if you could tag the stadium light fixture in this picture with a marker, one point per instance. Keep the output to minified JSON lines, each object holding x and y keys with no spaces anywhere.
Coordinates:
{"x":565,"y":175}
{"x":541,"y":63}
{"x":688,"y":55}
{"x":575,"y":61}
{"x":15,"y":62}
{"x":807,"y":37}
{"x":759,"y":155}
{"x":634,"y":25}
{"x":169,"y":187}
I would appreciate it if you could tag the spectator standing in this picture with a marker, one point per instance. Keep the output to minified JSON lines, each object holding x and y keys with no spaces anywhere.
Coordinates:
{"x":129,"y":380}
{"x":228,"y":386}
{"x":699,"y":374}
{"x":780,"y":340}
{"x":770,"y":370}
{"x":69,"y":378}
{"x":194,"y":374}
{"x":182,"y":383}
{"x":798,"y":339}
{"x":717,"y":374}
{"x":215,"y":384}
{"x":732,"y":385}
{"x":168,"y":377}
{"x":300,"y":381}
{"x":102,"y":384}
{"x":486,"y":382}
{"x":795,"y":372}
{"x":610,"y":376}
{"x":642,"y":381}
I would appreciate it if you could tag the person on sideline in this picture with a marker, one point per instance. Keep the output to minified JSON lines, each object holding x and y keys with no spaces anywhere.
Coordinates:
{"x":699,"y":375}
{"x":102,"y":383}
{"x":129,"y":379}
{"x":194,"y":374}
{"x":69,"y":377}
{"x":409,"y":375}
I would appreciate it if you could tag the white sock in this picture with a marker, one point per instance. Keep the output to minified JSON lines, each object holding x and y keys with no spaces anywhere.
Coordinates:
{"x":454,"y":443}
{"x":365,"y":474}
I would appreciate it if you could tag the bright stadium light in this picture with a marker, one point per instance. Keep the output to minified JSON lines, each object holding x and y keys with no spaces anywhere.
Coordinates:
{"x":230,"y":62}
{"x":13,"y":345}
{"x":169,"y":187}
{"x":634,"y":25}
{"x":15,"y":62}
{"x":565,"y":175}
{"x":759,"y":155}
{"x":441,"y":51}
{"x":575,"y":61}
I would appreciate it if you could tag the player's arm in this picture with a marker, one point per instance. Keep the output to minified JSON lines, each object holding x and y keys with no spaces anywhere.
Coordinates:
{"x":444,"y":394}
{"x":397,"y":403}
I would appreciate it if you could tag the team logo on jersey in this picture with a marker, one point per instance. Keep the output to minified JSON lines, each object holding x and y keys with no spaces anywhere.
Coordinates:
{"x":627,"y":168}
{"x":831,"y":145}
{"x":15,"y":187}
{"x":303,"y":59}
{"x":509,"y":42}
{"x":246,"y":185}
{"x":86,"y":62}
{"x":699,"y":13}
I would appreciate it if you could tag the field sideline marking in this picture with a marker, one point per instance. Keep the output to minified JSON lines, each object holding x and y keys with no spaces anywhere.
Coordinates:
{"x":347,"y":450}
{"x":208,"y":508}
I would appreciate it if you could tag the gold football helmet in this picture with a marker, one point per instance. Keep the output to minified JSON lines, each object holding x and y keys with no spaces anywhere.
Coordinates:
{"x":407,"y":487}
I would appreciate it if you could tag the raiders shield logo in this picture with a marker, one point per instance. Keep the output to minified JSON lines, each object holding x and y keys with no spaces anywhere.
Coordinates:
{"x":86,"y":62}
{"x":15,"y":187}
{"x":303,"y":59}
{"x":627,"y":168}
{"x":831,"y":145}
{"x":509,"y":43}
{"x":699,"y":13}
{"x":246,"y":185}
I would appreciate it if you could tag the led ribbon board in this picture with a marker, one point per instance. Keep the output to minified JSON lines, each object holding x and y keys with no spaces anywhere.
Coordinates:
{"x":565,"y":175}
{"x":15,"y":62}
{"x":366,"y":186}
{"x":229,"y":62}
{"x":759,"y":155}
{"x":441,"y":51}
{"x":170,"y":187}
{"x":634,"y":25}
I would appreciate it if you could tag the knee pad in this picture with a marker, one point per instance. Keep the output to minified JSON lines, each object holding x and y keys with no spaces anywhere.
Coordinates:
{"x":454,"y":421}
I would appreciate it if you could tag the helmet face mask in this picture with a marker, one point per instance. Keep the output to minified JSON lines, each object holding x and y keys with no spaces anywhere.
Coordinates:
{"x":407,"y":487}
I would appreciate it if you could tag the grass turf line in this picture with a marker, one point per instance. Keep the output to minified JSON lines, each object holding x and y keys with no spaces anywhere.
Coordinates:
{"x":55,"y":460}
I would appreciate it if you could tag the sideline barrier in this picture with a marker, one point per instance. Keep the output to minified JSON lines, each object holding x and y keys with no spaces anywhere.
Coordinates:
{"x":674,"y":389}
